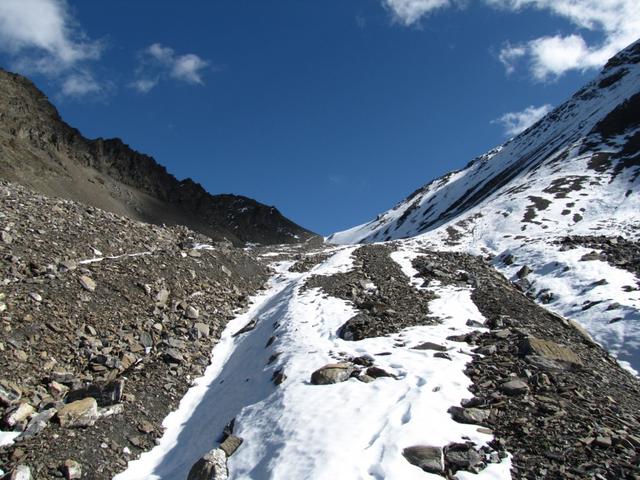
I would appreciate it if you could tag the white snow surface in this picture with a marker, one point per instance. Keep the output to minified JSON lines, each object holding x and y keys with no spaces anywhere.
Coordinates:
{"x":350,"y":430}
{"x":522,"y":197}
{"x":7,"y":438}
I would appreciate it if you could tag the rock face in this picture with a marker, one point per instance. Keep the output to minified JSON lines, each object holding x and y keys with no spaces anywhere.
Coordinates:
{"x":39,"y":150}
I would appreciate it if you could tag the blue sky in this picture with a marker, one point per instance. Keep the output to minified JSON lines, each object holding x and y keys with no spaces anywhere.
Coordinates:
{"x":331,"y":110}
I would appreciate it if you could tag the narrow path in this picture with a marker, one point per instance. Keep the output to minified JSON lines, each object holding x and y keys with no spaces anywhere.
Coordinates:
{"x":351,"y":430}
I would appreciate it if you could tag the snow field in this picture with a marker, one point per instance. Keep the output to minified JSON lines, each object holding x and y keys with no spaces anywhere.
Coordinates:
{"x":349,"y":430}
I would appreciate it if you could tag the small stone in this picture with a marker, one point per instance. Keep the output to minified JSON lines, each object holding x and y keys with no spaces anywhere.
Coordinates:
{"x":21,"y":472}
{"x":461,"y":455}
{"x":162,"y":297}
{"x":67,"y":266}
{"x":87,"y":283}
{"x":6,"y":237}
{"x":444,"y":355}
{"x":71,"y":470}
{"x":136,"y":441}
{"x":192,"y":312}
{"x":38,"y":423}
{"x":231,"y":444}
{"x":201,"y":330}
{"x":146,"y":340}
{"x":81,"y":413}
{"x":602,"y":441}
{"x":377,"y":372}
{"x":213,"y":466}
{"x":514,"y":387}
{"x":469,"y":415}
{"x":9,"y":393}
{"x":247,"y":328}
{"x":173,"y":356}
{"x":429,"y":459}
{"x":145,"y":427}
{"x":430,"y":346}
{"x":21,"y":355}
{"x":36,"y":297}
{"x":332,"y":373}
{"x":20,"y":414}
{"x":523,"y":272}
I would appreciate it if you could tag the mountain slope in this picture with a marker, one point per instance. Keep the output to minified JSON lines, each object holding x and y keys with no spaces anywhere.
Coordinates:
{"x":573,"y":174}
{"x":39,"y":150}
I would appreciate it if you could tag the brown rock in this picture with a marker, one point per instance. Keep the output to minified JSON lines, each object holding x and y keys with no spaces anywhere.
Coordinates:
{"x":81,"y":413}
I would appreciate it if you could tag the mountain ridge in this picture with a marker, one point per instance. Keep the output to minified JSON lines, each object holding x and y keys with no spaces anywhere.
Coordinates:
{"x":573,"y":174}
{"x":107,"y":173}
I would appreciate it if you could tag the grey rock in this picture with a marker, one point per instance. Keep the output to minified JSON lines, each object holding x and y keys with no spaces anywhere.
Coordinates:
{"x":332,"y":373}
{"x":87,"y":283}
{"x":469,"y":415}
{"x":461,"y":456}
{"x":429,"y":459}
{"x":81,"y":413}
{"x":213,"y":466}
{"x":231,"y":444}
{"x":247,"y":328}
{"x":192,"y":312}
{"x":21,"y":472}
{"x":201,"y":330}
{"x":71,"y":470}
{"x":514,"y":387}
{"x":9,"y":394}
{"x":38,"y":423}
{"x":430,"y":346}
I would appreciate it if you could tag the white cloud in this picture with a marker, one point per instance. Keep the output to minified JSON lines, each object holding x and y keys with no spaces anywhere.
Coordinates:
{"x":158,"y":61}
{"x":80,"y":84}
{"x":40,"y":36}
{"x":409,"y":12}
{"x":144,"y":85}
{"x":509,"y":55}
{"x":516,"y":122}
{"x":550,"y":56}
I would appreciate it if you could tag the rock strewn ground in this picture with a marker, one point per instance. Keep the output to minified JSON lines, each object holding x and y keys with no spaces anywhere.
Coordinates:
{"x":131,"y":332}
{"x":380,"y":290}
{"x":563,"y":413}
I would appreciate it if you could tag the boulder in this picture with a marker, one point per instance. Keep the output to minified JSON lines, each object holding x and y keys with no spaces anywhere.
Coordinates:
{"x":469,"y":415}
{"x":332,"y":373}
{"x":81,"y":413}
{"x":230,"y":445}
{"x":549,"y":350}
{"x":514,"y":387}
{"x":213,"y":466}
{"x":427,"y":458}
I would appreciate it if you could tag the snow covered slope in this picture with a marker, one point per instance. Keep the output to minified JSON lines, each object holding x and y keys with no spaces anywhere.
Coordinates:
{"x":574,"y":173}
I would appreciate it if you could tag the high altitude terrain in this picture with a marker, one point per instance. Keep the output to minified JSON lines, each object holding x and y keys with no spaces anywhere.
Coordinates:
{"x":556,"y":209}
{"x":38,"y":149}
{"x":136,"y":351}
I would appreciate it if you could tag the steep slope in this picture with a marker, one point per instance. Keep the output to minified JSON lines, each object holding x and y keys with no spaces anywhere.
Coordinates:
{"x":39,"y":150}
{"x":573,"y":174}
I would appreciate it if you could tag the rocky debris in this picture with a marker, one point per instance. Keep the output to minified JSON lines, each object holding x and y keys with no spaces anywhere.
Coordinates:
{"x":110,"y":344}
{"x":81,"y":413}
{"x":619,"y":252}
{"x":429,"y":459}
{"x":378,"y":288}
{"x":558,"y":403}
{"x":230,"y":445}
{"x":213,"y":466}
{"x":332,"y":373}
{"x":107,"y":173}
